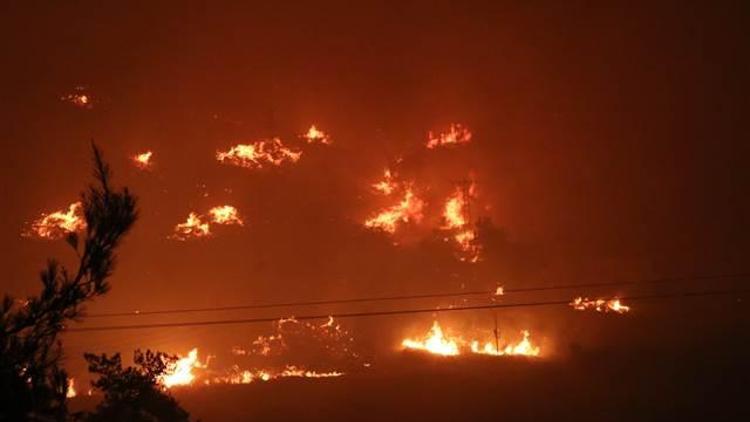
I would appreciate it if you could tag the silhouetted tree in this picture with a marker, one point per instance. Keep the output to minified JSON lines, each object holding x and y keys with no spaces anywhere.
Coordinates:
{"x":32,"y":382}
{"x":133,"y":394}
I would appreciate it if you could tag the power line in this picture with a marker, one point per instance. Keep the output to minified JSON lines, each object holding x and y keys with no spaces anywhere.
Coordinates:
{"x":395,"y":312}
{"x":414,"y":296}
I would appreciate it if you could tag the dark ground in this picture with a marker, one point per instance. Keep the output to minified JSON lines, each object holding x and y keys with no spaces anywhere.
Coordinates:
{"x":699,"y":380}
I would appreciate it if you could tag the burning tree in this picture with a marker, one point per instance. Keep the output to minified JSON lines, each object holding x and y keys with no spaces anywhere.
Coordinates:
{"x":33,"y":384}
{"x":133,"y":393}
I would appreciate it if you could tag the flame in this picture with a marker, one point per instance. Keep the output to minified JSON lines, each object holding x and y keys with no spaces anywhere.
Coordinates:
{"x":143,"y":160}
{"x":290,"y":371}
{"x":78,"y":98}
{"x":456,"y":218}
{"x":314,"y":135}
{"x":259,"y":154}
{"x":457,"y":134}
{"x":181,"y":371}
{"x":599,"y":305}
{"x":522,"y":348}
{"x":193,"y":227}
{"x":500,"y":291}
{"x":437,"y":343}
{"x":59,"y":223}
{"x":455,"y":210}
{"x":387,"y":185}
{"x":409,"y":209}
{"x":225,"y":214}
{"x":70,"y":392}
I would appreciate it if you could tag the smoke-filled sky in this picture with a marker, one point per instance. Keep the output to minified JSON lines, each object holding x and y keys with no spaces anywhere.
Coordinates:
{"x":609,"y":143}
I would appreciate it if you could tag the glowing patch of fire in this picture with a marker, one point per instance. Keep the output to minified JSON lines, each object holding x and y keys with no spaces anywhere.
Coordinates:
{"x":259,"y":154}
{"x":181,"y":372}
{"x":387,"y":185}
{"x":456,"y":218}
{"x":225,"y":214}
{"x":599,"y":305}
{"x":457,"y":134}
{"x":409,"y":209}
{"x":57,"y":224}
{"x":436,"y":342}
{"x":143,"y":160}
{"x":70,"y":392}
{"x":79,"y":98}
{"x":314,"y":135}
{"x":193,"y":227}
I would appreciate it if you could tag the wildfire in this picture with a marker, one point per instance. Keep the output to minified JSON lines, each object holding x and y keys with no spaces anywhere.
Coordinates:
{"x":457,"y":134}
{"x":314,"y":135}
{"x":290,"y":371}
{"x":436,"y":342}
{"x":455,"y":210}
{"x":387,"y":185}
{"x":181,"y":371}
{"x":59,"y":223}
{"x":456,"y":218}
{"x":193,"y":227}
{"x":143,"y":160}
{"x":522,"y":348}
{"x":197,"y":226}
{"x":79,"y":98}
{"x":70,"y":392}
{"x":599,"y":305}
{"x":409,"y":209}
{"x":259,"y":154}
{"x":225,"y":214}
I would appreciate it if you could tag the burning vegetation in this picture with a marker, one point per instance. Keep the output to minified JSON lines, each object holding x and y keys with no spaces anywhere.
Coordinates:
{"x":294,"y":350}
{"x":456,"y":219}
{"x":259,"y":154}
{"x":438,"y":343}
{"x":316,"y":136}
{"x":599,"y":305}
{"x":143,"y":160}
{"x":456,"y":134}
{"x":409,"y":209}
{"x":79,"y":98}
{"x":198,"y":226}
{"x":58,"y":224}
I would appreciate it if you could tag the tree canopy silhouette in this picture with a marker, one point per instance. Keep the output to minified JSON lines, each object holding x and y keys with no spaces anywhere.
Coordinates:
{"x":133,"y":393}
{"x":33,"y":384}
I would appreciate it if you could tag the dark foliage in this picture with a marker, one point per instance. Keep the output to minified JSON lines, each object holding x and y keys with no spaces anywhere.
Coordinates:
{"x":133,"y":393}
{"x":32,"y":382}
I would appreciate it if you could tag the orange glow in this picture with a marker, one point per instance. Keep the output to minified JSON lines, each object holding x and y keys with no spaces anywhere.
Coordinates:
{"x":57,"y":224}
{"x":314,"y":135}
{"x":457,"y":134}
{"x":456,"y":217}
{"x":259,"y":154}
{"x":71,"y":390}
{"x":522,"y":348}
{"x":181,"y":372}
{"x":409,"y":209}
{"x":143,"y":160}
{"x":225,"y":214}
{"x":599,"y":305}
{"x":455,"y":211}
{"x":194,"y":227}
{"x":290,"y":371}
{"x":78,"y":98}
{"x":436,"y":342}
{"x":387,"y":185}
